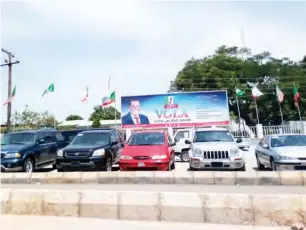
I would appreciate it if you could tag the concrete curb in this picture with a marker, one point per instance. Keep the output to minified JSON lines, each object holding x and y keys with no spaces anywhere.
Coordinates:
{"x":150,"y":177}
{"x":240,"y":209}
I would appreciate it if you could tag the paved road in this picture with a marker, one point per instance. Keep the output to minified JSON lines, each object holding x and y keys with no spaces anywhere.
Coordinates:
{"x":50,"y":223}
{"x":227,"y":189}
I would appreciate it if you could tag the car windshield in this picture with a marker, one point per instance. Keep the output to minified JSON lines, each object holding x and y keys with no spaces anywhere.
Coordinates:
{"x":213,"y":136}
{"x":91,"y":139}
{"x":288,"y":140}
{"x":18,"y":138}
{"x":147,"y":139}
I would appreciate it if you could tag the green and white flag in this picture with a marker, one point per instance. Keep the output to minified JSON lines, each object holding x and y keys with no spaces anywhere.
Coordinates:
{"x":50,"y":89}
{"x":239,"y":92}
{"x":9,"y":100}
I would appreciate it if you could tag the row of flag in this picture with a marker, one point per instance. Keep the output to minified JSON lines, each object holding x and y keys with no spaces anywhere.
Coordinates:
{"x":256,"y":93}
{"x":105,"y":100}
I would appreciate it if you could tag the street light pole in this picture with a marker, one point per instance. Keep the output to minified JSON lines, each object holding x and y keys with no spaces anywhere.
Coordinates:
{"x":9,"y":63}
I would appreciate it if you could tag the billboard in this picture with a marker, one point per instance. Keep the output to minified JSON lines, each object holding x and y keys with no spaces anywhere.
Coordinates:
{"x":175,"y":110}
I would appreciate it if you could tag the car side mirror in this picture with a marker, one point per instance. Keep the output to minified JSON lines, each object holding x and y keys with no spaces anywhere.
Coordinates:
{"x":266,"y":146}
{"x":239,"y":140}
{"x":188,"y":142}
{"x":172,"y":144}
{"x":41,"y":141}
{"x":176,"y":139}
{"x":114,"y":142}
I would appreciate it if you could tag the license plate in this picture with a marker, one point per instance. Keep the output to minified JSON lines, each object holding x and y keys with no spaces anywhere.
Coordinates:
{"x":216,"y":164}
{"x":75,"y":163}
{"x":140,"y":164}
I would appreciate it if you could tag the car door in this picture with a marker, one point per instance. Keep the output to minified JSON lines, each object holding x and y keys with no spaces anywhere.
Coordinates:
{"x":264,"y":152}
{"x":43,"y":148}
{"x":52,"y":144}
{"x":115,"y":147}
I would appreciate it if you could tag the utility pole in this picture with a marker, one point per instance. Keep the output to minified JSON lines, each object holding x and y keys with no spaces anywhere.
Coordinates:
{"x":9,"y":63}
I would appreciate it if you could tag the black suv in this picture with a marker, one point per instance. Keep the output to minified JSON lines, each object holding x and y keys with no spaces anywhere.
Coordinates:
{"x":30,"y":150}
{"x":92,"y":149}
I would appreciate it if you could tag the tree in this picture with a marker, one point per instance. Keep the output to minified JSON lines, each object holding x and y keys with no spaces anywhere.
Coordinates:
{"x":107,"y":113}
{"x":74,"y":117}
{"x":230,"y":66}
{"x":96,"y":123}
{"x":47,"y":119}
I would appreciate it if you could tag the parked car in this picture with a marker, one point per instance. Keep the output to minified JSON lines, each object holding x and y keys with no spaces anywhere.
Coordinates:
{"x":148,"y":149}
{"x":215,"y":148}
{"x":28,"y":151}
{"x":96,"y":149}
{"x":282,"y":152}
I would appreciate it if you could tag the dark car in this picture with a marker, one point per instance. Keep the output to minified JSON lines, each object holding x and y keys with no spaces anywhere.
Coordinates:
{"x":30,"y":150}
{"x":93,"y":149}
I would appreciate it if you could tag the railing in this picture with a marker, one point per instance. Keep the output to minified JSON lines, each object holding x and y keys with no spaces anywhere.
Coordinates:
{"x":251,"y":132}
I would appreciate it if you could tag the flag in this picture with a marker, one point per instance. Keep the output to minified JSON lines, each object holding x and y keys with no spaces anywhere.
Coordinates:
{"x":279,"y":94}
{"x":256,"y":92}
{"x":50,"y":89}
{"x":239,"y":92}
{"x":296,"y":95}
{"x":85,"y":95}
{"x":109,"y":100}
{"x":11,"y":97}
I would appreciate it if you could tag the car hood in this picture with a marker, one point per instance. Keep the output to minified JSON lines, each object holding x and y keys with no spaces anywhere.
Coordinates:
{"x":214,"y":145}
{"x":144,"y":150}
{"x":14,"y":148}
{"x":82,"y":148}
{"x":291,"y":151}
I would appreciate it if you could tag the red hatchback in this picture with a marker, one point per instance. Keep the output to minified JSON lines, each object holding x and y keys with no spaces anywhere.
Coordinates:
{"x":150,"y":149}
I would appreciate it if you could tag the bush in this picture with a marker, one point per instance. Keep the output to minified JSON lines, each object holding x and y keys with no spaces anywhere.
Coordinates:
{"x":96,"y":123}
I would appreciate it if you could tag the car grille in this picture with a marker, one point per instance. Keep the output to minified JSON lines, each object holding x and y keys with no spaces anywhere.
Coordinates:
{"x":215,"y":154}
{"x":76,"y":154}
{"x":142,"y":158}
{"x":302,"y":158}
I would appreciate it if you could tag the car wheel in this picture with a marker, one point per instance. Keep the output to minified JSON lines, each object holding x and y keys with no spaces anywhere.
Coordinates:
{"x":273,"y":165}
{"x":185,"y":156}
{"x":259,"y":165}
{"x":54,"y":167}
{"x":29,"y":166}
{"x":192,"y":169}
{"x":108,"y":164}
{"x":60,"y":170}
{"x":241,"y":169}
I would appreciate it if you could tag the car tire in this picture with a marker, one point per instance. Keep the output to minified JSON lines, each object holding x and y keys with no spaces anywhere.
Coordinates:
{"x":108,"y":164}
{"x":184,"y":156}
{"x":273,"y":165}
{"x":242,"y":169}
{"x":54,"y":167}
{"x":259,"y":165}
{"x":60,"y":170}
{"x":28,"y":166}
{"x":192,"y":169}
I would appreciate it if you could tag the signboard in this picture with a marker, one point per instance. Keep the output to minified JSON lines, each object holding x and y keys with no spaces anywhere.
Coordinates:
{"x":175,"y":110}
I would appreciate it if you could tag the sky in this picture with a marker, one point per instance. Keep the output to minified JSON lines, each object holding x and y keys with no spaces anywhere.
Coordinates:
{"x":142,"y":45}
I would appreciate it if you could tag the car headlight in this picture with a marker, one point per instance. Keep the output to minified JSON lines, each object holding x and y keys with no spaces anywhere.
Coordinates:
{"x":234,"y":152}
{"x":60,"y":153}
{"x":13,"y":155}
{"x":197,"y":153}
{"x":279,"y":157}
{"x":98,"y":152}
{"x":124,"y":157}
{"x":159,"y":157}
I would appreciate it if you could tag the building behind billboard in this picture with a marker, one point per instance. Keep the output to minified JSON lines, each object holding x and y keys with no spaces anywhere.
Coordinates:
{"x":203,"y":108}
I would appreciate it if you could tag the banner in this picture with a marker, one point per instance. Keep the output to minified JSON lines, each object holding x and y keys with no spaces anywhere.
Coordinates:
{"x":175,"y":110}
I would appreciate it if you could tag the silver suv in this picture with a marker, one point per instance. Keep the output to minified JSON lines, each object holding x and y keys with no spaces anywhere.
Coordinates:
{"x":215,"y":148}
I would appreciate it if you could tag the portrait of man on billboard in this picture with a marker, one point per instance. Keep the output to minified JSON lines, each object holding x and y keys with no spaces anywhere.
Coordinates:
{"x":133,"y":117}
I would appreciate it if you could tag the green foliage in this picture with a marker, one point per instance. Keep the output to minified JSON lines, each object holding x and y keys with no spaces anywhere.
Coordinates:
{"x":230,"y":66}
{"x":107,"y":113}
{"x":74,"y":117}
{"x":96,"y":123}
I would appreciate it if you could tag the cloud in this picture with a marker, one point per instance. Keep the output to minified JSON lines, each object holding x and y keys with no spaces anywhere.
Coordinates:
{"x":142,"y":45}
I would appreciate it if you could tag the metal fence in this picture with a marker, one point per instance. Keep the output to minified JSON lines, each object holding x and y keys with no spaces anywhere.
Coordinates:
{"x":251,"y":132}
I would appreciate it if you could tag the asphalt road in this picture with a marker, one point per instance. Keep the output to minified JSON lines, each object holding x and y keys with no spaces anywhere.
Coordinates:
{"x":222,"y":189}
{"x":9,"y":222}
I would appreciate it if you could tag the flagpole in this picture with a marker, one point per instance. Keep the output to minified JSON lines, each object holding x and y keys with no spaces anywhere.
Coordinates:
{"x":256,"y":110}
{"x":298,"y":107}
{"x":281,"y":113}
{"x":239,"y":117}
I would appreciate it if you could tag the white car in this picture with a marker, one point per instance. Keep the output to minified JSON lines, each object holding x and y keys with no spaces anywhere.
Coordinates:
{"x":215,"y":148}
{"x":282,"y":152}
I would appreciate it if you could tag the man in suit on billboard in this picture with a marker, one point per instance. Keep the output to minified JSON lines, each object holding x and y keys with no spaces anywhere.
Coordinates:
{"x":134,"y":117}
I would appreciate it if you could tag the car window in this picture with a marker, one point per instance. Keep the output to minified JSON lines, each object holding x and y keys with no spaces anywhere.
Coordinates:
{"x":213,"y":136}
{"x":113,"y":137}
{"x":49,"y":138}
{"x":147,"y":138}
{"x":91,"y":139}
{"x":18,"y":138}
{"x":182,"y":135}
{"x":288,"y":140}
{"x":59,"y":136}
